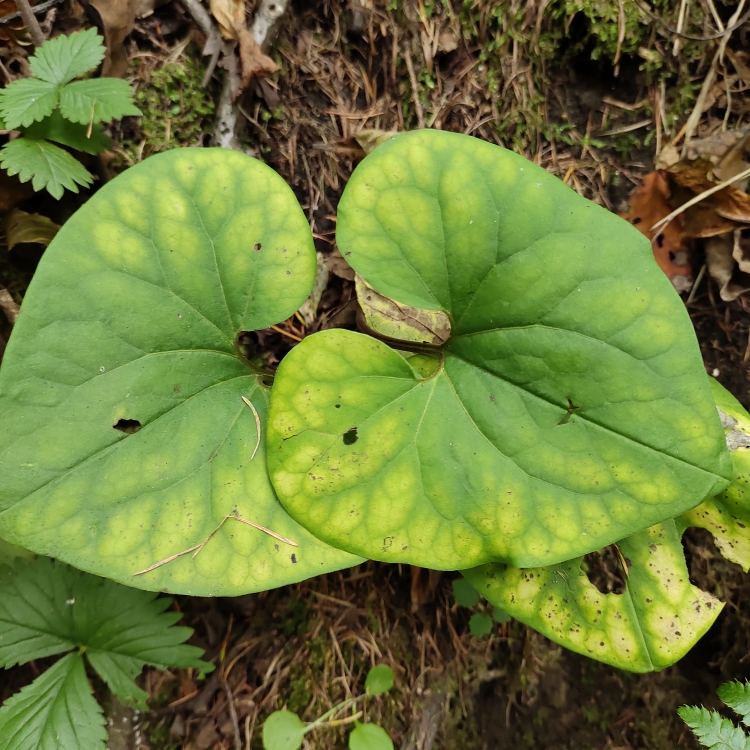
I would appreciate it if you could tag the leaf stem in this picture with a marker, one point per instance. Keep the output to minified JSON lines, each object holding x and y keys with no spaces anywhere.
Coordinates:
{"x":321,"y":721}
{"x":29,"y":19}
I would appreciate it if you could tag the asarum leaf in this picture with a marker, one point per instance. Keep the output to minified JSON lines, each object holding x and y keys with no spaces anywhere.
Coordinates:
{"x":653,"y":624}
{"x":727,"y":516}
{"x":568,"y":409}
{"x":126,"y":439}
{"x":660,"y":615}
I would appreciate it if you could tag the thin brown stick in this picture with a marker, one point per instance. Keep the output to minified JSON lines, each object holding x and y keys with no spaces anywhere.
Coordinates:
{"x":286,"y":333}
{"x":414,"y":88}
{"x":29,"y":20}
{"x":257,"y":424}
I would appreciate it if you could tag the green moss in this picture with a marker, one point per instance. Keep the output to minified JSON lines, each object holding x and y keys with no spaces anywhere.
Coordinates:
{"x":177,"y":111}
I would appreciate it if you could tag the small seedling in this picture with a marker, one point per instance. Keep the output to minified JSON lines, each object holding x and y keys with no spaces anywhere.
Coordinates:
{"x":284,"y":730}
{"x":48,"y":608}
{"x":480,"y":623}
{"x":51,"y":107}
{"x":712,"y":729}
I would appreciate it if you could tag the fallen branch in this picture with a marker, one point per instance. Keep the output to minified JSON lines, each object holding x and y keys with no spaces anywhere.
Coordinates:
{"x":264,"y":29}
{"x":9,"y":305}
{"x":29,"y":20}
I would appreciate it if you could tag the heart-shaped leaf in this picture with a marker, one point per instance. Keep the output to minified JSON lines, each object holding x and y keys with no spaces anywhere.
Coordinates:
{"x":126,"y":440}
{"x":660,"y":615}
{"x":653,"y":624}
{"x":727,"y":516}
{"x":569,"y":409}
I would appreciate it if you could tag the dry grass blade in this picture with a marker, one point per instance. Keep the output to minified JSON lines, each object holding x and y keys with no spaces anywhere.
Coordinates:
{"x":266,"y":531}
{"x":257,"y":424}
{"x":198,"y":547}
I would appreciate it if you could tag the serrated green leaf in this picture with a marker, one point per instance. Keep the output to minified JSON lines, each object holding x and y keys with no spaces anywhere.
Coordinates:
{"x":568,"y":409}
{"x":713,"y":730}
{"x":464,"y":593}
{"x":283,"y":730}
{"x":56,"y":712}
{"x":653,"y":624}
{"x":134,"y":314}
{"x":736,"y":695}
{"x":47,"y":607}
{"x":27,"y":100}
{"x":480,"y":625}
{"x":119,"y":672}
{"x":97,"y":100}
{"x":369,"y":737}
{"x":64,"y":58}
{"x":57,"y":128}
{"x":46,"y":165}
{"x":379,"y":679}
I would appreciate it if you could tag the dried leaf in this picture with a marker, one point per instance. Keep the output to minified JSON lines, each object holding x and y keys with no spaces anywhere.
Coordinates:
{"x":117,"y":20}
{"x":722,"y":212}
{"x":24,"y":228}
{"x":397,"y":321}
{"x":723,"y":268}
{"x":254,"y":63}
{"x":369,"y":140}
{"x":338,"y":266}
{"x":230,"y":15}
{"x":648,"y":205}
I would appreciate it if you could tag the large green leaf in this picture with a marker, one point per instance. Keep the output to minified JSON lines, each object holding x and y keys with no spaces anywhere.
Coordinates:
{"x":132,"y":320}
{"x":653,"y":624}
{"x":569,"y":408}
{"x":56,"y":712}
{"x":660,"y":615}
{"x":727,"y":516}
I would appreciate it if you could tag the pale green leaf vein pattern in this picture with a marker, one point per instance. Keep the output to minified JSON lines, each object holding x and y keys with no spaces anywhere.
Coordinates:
{"x":568,"y":410}
{"x":134,"y":315}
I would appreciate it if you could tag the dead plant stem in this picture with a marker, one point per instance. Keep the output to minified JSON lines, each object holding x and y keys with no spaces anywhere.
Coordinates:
{"x":32,"y":25}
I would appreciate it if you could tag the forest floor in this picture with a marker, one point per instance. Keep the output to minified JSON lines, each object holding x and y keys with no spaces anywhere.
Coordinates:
{"x":593,"y":92}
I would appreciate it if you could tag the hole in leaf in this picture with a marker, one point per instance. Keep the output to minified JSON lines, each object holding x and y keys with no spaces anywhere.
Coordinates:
{"x":257,"y":246}
{"x":128,"y":426}
{"x":708,"y":569}
{"x":350,"y":436}
{"x":604,"y":570}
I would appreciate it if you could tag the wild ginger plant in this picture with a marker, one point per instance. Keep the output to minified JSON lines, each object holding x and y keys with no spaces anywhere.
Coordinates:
{"x":529,"y":389}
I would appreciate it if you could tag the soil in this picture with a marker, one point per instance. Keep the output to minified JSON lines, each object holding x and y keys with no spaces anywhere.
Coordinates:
{"x":345,"y":66}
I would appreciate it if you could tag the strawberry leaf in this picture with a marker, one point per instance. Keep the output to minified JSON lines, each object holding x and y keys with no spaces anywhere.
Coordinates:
{"x":47,"y":165}
{"x":97,"y":100}
{"x":64,"y":58}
